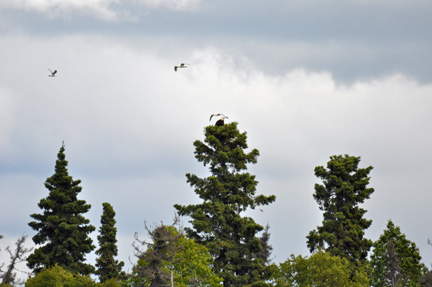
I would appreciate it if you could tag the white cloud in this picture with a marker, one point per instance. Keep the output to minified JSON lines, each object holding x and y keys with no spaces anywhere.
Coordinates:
{"x":61,"y":8}
{"x":183,"y":5}
{"x":109,"y":10}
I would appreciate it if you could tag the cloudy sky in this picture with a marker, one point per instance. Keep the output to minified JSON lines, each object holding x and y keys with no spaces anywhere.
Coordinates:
{"x":304,"y":79}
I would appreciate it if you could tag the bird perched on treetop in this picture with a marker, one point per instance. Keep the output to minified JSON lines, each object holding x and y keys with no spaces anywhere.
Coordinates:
{"x":53,"y":73}
{"x":219,"y":122}
{"x":182,"y":65}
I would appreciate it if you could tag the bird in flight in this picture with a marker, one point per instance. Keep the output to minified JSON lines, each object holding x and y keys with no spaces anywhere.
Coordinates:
{"x":52,"y":73}
{"x":219,"y":122}
{"x":182,"y":65}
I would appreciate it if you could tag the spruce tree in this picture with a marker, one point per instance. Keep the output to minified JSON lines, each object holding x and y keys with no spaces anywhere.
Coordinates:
{"x":395,"y":257}
{"x":344,"y":188}
{"x":107,"y":266}
{"x":226,"y":193}
{"x":62,"y":230}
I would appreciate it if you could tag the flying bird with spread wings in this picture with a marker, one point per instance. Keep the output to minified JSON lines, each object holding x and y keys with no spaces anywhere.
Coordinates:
{"x":52,"y":73}
{"x":219,"y":122}
{"x":182,"y":65}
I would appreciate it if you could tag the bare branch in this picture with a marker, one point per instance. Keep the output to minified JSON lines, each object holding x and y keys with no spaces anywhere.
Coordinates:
{"x":17,"y":256}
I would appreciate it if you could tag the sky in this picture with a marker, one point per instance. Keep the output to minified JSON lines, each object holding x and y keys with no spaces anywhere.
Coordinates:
{"x":304,"y":79}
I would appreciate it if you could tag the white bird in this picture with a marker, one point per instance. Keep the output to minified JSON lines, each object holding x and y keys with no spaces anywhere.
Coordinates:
{"x":53,"y":73}
{"x":219,"y":122}
{"x":182,"y":65}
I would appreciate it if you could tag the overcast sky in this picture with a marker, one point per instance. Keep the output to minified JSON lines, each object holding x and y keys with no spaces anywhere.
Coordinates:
{"x":305,"y":79}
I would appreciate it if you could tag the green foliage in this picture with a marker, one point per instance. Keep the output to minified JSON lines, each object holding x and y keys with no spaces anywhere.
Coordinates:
{"x":344,"y":188}
{"x":228,"y":191}
{"x":321,"y":269}
{"x":193,"y":265}
{"x":57,"y":276}
{"x":153,"y":264}
{"x":409,"y":269}
{"x":62,"y":230}
{"x":171,"y":252}
{"x":113,"y":282}
{"x":107,"y":266}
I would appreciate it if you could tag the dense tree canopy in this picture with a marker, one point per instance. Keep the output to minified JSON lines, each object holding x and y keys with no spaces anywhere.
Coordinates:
{"x":395,"y":259}
{"x":171,"y":256}
{"x":107,"y":266}
{"x":226,"y":193}
{"x":321,"y":269}
{"x":344,"y":188}
{"x":62,"y":230}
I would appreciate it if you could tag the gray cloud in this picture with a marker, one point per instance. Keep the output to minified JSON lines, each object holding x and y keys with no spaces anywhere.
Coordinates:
{"x":129,"y":121}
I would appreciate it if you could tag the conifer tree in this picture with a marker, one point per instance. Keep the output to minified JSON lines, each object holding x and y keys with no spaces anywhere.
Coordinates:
{"x":267,"y":249}
{"x":62,"y":230}
{"x":229,"y":190}
{"x":395,"y":259}
{"x":107,"y":266}
{"x":344,"y":188}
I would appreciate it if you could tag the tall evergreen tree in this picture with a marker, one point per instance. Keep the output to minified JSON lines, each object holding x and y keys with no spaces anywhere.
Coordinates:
{"x":344,"y":188}
{"x":107,"y":266}
{"x":229,"y":190}
{"x":403,"y":267}
{"x":62,"y":230}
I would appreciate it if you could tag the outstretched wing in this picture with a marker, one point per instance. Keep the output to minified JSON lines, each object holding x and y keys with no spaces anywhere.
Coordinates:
{"x":214,"y":115}
{"x":52,"y":72}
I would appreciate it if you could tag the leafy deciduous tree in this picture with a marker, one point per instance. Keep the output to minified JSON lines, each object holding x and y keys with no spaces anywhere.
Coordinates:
{"x":107,"y":266}
{"x":173,"y":256}
{"x":62,"y":230}
{"x":344,"y":188}
{"x":321,"y":269}
{"x":57,"y":276}
{"x":228,"y":191}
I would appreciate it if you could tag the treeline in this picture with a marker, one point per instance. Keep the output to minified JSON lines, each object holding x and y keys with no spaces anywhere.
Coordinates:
{"x":221,"y":246}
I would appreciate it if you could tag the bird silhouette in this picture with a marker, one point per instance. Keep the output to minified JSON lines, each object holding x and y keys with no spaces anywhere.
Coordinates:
{"x":52,"y":73}
{"x":182,"y":65}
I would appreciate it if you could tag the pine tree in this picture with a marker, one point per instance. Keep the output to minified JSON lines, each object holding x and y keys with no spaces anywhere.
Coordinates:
{"x":107,"y":266}
{"x":62,"y":230}
{"x":344,"y":188}
{"x":217,"y":221}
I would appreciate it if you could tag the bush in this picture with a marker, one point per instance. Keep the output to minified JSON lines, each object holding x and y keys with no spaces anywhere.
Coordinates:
{"x":59,"y":277}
